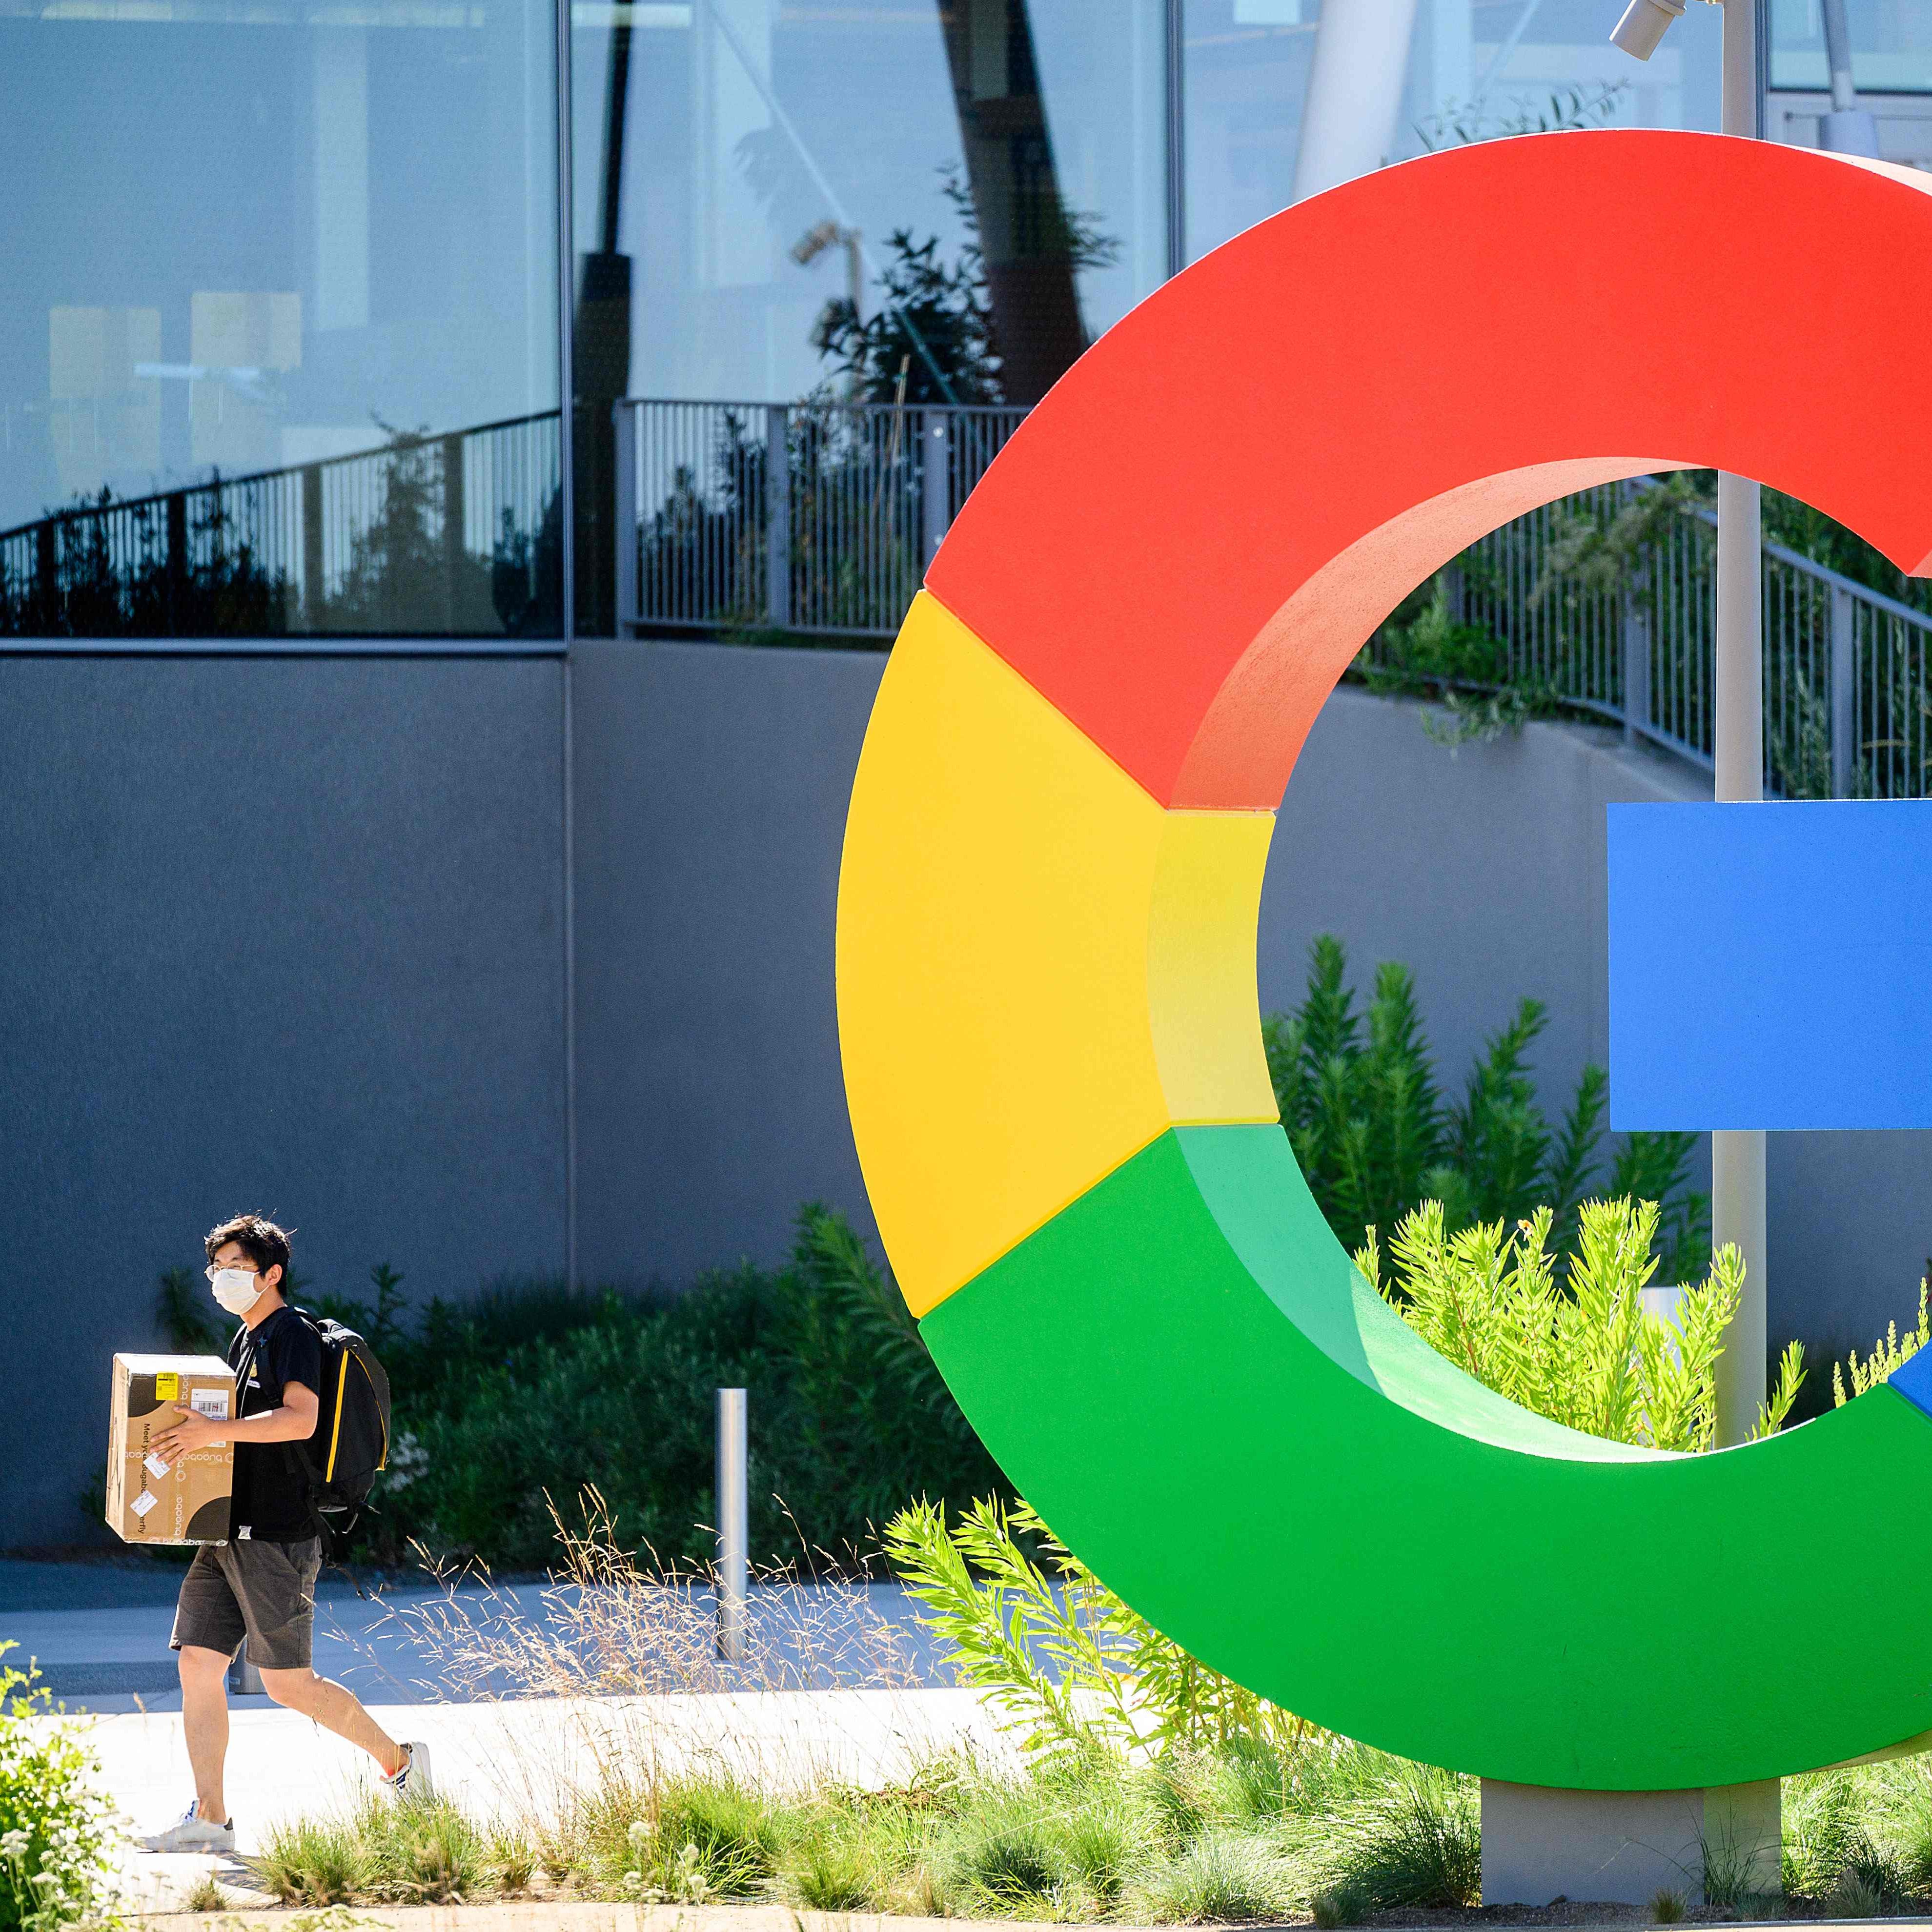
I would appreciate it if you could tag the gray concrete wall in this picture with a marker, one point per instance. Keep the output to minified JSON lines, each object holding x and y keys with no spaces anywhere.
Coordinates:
{"x":711,"y":791}
{"x":712,"y":784}
{"x":284,"y":935}
{"x":1481,"y":869}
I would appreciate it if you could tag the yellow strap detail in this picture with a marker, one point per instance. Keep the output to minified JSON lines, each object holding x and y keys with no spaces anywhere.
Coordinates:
{"x":335,"y":1433}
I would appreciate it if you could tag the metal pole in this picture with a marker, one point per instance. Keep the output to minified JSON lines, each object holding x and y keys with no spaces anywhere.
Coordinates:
{"x":624,"y":436}
{"x":777,"y":518}
{"x":732,"y":1563}
{"x":935,"y":480}
{"x":1746,"y":1818}
{"x":1737,"y":1156}
{"x":1844,"y":694}
{"x":1177,"y":138}
{"x":566,"y":507}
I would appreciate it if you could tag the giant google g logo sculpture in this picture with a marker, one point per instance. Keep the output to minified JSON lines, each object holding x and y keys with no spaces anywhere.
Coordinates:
{"x":1046,"y":955}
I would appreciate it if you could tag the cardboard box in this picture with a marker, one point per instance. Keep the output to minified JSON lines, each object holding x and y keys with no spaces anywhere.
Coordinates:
{"x":149,"y":1500}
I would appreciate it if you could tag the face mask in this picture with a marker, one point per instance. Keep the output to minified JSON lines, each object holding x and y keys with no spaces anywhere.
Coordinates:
{"x":237,"y":1290}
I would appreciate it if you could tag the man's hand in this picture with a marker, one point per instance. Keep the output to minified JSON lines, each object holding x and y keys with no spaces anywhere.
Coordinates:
{"x":191,"y":1433}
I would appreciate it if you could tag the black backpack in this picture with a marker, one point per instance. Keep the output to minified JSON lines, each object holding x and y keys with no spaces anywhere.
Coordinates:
{"x":350,"y":1446}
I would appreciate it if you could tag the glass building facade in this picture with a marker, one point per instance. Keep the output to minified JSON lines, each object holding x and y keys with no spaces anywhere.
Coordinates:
{"x":295,"y":287}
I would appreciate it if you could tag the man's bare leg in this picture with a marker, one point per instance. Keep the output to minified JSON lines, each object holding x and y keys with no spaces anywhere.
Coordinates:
{"x":335,"y":1709}
{"x":205,"y":1725}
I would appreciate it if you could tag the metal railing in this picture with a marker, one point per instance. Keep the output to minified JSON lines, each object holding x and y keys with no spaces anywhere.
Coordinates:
{"x":818,"y":517}
{"x":1847,"y":670}
{"x":425,"y":536}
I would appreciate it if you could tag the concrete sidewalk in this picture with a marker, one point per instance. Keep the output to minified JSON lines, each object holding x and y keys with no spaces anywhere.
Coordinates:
{"x":520,"y":1760}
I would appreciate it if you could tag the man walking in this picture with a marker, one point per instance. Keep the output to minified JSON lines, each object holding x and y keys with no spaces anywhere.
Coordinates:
{"x":260,"y":1584}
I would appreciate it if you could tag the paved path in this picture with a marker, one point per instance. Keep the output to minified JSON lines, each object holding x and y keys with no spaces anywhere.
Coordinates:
{"x":519,"y":1760}
{"x":98,"y":1633}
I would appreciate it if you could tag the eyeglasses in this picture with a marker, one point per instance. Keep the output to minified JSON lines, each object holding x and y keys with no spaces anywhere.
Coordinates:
{"x":214,"y":1268}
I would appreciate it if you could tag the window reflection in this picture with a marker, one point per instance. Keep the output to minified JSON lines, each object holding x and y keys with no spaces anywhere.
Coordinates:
{"x":1892,"y":45}
{"x":938,"y":201}
{"x":278,"y":345}
{"x":1472,"y":70}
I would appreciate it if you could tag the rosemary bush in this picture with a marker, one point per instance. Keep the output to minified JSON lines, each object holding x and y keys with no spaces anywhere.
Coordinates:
{"x":1582,"y":1349}
{"x":1888,"y":1354}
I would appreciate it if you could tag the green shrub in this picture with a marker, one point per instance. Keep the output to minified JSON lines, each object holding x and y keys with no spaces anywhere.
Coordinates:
{"x":422,"y":1853}
{"x":511,"y":1862}
{"x":314,"y":1862}
{"x":1011,"y":1859}
{"x":1363,"y":1110}
{"x":1572,"y":1340}
{"x":730,"y":1826}
{"x":1031,"y":1627}
{"x":1417,"y":1842}
{"x":1824,"y":1831}
{"x":56,"y":1831}
{"x":1104,"y":1839}
{"x":1888,"y":1354}
{"x":837,"y":1872}
{"x":1221,"y":1876}
{"x":848,"y":1415}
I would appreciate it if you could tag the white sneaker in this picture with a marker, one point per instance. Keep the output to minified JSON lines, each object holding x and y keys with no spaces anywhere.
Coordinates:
{"x":413,"y":1779}
{"x":192,"y":1833}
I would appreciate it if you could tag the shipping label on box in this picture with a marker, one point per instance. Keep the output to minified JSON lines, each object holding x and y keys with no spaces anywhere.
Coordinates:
{"x":150,"y":1499}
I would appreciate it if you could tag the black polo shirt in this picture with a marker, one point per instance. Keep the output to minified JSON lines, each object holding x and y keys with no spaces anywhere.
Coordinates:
{"x":270,"y":1494}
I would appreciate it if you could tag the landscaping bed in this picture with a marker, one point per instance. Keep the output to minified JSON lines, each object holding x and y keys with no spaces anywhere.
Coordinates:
{"x":549,"y":1916}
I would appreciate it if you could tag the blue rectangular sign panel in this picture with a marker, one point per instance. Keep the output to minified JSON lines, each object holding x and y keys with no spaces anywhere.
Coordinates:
{"x":1770,"y":965}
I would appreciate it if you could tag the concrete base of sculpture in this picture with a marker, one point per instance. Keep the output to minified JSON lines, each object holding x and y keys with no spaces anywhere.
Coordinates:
{"x":1540,"y":1844}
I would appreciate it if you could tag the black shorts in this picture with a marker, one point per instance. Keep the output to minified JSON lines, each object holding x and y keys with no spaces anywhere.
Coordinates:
{"x":265,"y":1591}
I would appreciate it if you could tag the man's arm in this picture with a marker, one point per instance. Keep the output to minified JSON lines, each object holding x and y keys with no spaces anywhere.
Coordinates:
{"x":295,"y":1421}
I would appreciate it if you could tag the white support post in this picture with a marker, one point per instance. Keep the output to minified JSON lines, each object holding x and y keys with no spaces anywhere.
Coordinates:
{"x":1745,"y":1820}
{"x":733,"y":1565}
{"x":1353,"y":98}
{"x":1737,"y":1158}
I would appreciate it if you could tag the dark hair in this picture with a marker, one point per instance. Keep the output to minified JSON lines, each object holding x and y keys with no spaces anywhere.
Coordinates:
{"x":265,"y":1245}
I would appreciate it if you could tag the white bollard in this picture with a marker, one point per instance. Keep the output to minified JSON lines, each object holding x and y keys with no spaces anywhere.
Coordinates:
{"x":732,"y":1563}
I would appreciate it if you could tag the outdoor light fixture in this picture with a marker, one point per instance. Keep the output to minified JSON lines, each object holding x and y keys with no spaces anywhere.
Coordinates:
{"x":1643,"y":25}
{"x":829,"y":234}
{"x":814,"y":242}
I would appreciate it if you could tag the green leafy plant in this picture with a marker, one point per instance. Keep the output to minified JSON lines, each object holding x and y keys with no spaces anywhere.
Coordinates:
{"x":1363,"y":1106}
{"x":1888,"y":1354}
{"x":57,"y":1837}
{"x":1570,"y":1338}
{"x":1071,"y":1665}
{"x":848,"y":1416}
